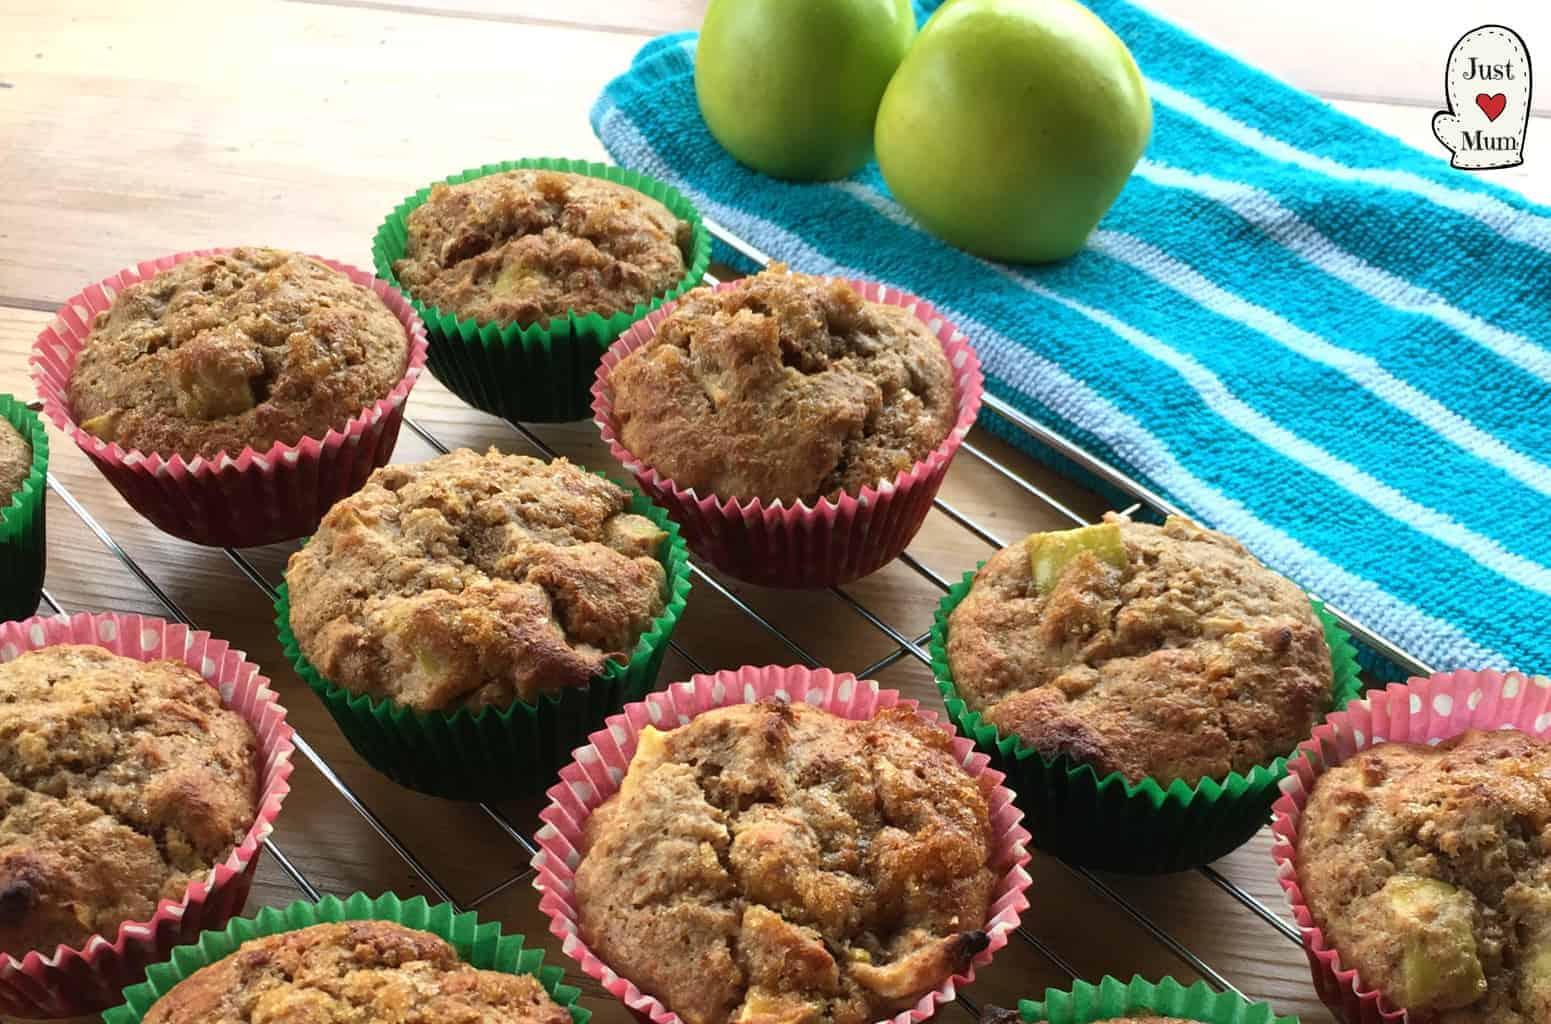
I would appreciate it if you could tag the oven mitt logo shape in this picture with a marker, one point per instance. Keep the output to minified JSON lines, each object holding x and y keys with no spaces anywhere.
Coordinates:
{"x":1488,"y":86}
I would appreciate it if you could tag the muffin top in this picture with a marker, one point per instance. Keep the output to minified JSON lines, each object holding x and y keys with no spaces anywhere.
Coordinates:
{"x":121,"y":782}
{"x":799,"y":866}
{"x":523,"y":247}
{"x":238,"y":350}
{"x":474,"y":580}
{"x":1429,"y":871}
{"x":15,"y":462}
{"x":1163,"y":651}
{"x":354,"y":972}
{"x":784,"y":387}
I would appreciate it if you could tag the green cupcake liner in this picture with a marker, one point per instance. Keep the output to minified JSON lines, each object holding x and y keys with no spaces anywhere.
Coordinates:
{"x":542,"y":373}
{"x":1116,"y":825}
{"x":1086,"y":1003}
{"x":498,"y":753}
{"x":23,"y":544}
{"x":480,"y":945}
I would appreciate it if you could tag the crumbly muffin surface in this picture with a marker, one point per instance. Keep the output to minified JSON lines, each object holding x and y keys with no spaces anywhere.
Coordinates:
{"x":776,"y":863}
{"x":120,"y":783}
{"x":353,"y":972}
{"x":525,"y":246}
{"x":786,"y":387}
{"x":15,"y":462}
{"x":1429,"y":871}
{"x":238,"y":350}
{"x":1166,"y":651}
{"x":474,"y":580}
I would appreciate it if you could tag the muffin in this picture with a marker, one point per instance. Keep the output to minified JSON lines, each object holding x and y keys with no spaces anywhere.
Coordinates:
{"x":775,"y":862}
{"x":525,"y":246}
{"x":360,"y":972}
{"x":15,"y":463}
{"x":243,"y":349}
{"x":121,"y":782}
{"x":1428,"y":868}
{"x":475,"y":581}
{"x":1153,"y":651}
{"x":784,"y":386}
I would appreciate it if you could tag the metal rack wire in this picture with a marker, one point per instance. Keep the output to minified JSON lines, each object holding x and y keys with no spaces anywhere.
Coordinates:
{"x":904,"y":647}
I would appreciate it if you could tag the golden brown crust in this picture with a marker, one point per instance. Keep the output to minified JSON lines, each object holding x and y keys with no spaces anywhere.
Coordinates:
{"x":526,"y":246}
{"x":355,"y":972}
{"x":802,"y":868}
{"x":1192,"y":661}
{"x":1473,"y":813}
{"x":15,"y":462}
{"x":233,"y":351}
{"x":474,"y":580}
{"x":120,"y":783}
{"x":786,"y":387}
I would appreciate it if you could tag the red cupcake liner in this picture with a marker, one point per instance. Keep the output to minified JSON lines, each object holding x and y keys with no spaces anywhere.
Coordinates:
{"x":599,"y":767}
{"x":836,"y":540}
{"x":89,"y":979}
{"x":1421,"y":711}
{"x":244,"y":501}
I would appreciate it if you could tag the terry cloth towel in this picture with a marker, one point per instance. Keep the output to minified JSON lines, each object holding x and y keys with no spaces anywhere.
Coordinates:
{"x":1300,"y":330}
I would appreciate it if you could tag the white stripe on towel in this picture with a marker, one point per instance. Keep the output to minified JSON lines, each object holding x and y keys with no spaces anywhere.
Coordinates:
{"x":1284,"y":227}
{"x":1355,"y":366}
{"x":1518,"y":225}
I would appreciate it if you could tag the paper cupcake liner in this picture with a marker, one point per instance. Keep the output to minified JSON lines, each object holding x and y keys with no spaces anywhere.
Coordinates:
{"x":1084,"y":1003}
{"x":479,"y":945}
{"x":23,"y":544}
{"x":836,"y":540}
{"x":542,"y":373}
{"x":1422,"y":711}
{"x":72,"y":981}
{"x":1116,"y":825}
{"x":599,"y":767}
{"x":255,"y":497}
{"x":497,"y":753}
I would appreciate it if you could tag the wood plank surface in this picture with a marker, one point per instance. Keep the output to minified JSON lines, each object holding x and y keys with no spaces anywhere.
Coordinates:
{"x":132,"y":130}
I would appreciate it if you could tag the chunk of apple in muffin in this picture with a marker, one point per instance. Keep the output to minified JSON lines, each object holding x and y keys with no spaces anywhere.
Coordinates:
{"x":1050,"y":553}
{"x":1440,"y":968}
{"x":213,"y":374}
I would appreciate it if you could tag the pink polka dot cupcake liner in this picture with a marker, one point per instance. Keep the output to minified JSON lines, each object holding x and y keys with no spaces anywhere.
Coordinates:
{"x":1427,"y":711}
{"x":598,"y":769}
{"x":69,"y":981}
{"x":252,"y":497}
{"x":833,"y":541}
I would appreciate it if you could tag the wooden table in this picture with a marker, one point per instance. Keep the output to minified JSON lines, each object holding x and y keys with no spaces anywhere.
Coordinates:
{"x":126,"y":134}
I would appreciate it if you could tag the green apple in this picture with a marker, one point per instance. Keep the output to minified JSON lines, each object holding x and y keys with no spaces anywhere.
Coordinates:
{"x":791,"y":87}
{"x":1012,"y":125}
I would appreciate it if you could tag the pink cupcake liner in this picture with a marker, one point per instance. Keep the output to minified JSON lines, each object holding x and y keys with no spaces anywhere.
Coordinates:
{"x":1421,"y":711}
{"x":257,"y":497}
{"x":599,"y":767}
{"x":71,"y":981}
{"x":836,"y":540}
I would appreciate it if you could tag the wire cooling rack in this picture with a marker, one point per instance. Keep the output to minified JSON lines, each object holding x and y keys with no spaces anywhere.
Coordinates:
{"x":1143,"y":500}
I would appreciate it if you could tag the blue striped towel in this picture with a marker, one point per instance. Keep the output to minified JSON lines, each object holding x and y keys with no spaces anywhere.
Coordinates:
{"x":1302,"y":331}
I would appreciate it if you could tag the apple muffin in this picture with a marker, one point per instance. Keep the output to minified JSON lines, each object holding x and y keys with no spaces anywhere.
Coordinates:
{"x":521,"y":247}
{"x":776,"y":863}
{"x":475,"y":580}
{"x":784,"y":387}
{"x":1429,"y":870}
{"x":15,"y":462}
{"x":121,"y":782}
{"x":353,"y":972}
{"x":1154,"y":651}
{"x":238,"y":350}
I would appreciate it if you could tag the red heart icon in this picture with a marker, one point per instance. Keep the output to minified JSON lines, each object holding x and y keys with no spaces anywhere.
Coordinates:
{"x":1491,"y":106}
